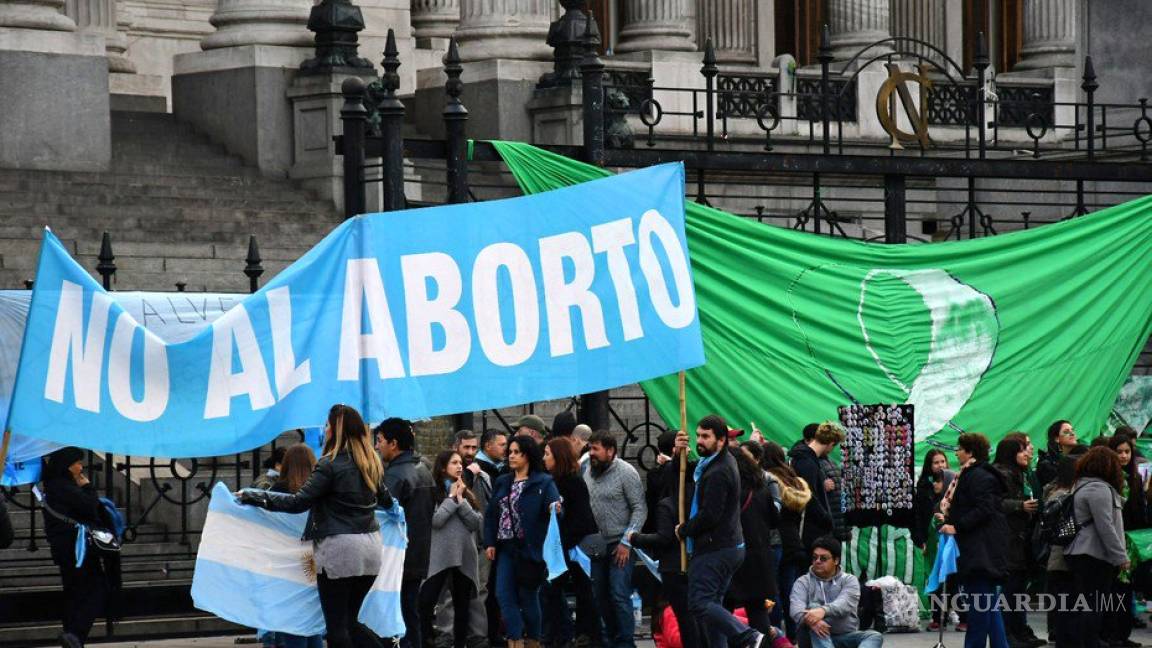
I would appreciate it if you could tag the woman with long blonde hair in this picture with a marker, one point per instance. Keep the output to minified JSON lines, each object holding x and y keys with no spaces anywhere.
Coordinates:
{"x":341,"y":497}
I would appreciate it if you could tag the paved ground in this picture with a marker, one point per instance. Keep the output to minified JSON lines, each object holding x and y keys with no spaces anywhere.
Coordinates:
{"x":913,"y":640}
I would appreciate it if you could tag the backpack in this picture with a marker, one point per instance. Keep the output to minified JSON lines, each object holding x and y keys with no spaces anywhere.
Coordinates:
{"x":1058,"y":523}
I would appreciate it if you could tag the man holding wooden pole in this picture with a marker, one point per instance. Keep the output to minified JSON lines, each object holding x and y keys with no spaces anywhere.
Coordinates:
{"x":714,"y":538}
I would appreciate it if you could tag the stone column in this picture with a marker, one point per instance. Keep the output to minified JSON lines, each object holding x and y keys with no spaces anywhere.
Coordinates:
{"x":658,"y":25}
{"x":504,"y":29}
{"x":434,"y":18}
{"x":45,"y":15}
{"x":102,"y":16}
{"x":55,"y":77}
{"x":925,"y":20}
{"x":259,"y":22}
{"x":1049,"y":34}
{"x":118,"y":42}
{"x":731,"y":24}
{"x":856,"y":24}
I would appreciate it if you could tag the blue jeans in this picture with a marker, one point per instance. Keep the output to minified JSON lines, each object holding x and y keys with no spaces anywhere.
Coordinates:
{"x":613,"y":590}
{"x":709,"y":575}
{"x":781,"y":614}
{"x":985,"y":623}
{"x":519,"y":605}
{"x":858,"y":639}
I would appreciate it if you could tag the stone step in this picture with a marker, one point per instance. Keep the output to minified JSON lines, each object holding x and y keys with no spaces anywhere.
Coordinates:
{"x":131,"y":571}
{"x":176,"y":626}
{"x":26,"y":200}
{"x":16,"y":554}
{"x":11,"y":179}
{"x":147,"y":189}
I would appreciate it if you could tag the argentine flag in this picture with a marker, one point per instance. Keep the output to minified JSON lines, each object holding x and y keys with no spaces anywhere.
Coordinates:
{"x":253,"y":569}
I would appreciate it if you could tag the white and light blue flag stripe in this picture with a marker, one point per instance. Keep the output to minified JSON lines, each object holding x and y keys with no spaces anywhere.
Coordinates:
{"x":253,"y":569}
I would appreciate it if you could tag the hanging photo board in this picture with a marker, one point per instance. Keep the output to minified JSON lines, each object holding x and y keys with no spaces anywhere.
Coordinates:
{"x":878,"y":464}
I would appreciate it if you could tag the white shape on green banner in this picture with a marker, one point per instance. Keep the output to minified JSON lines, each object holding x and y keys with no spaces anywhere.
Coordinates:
{"x":965,"y":331}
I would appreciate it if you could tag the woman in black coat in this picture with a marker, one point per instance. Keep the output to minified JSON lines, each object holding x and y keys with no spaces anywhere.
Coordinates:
{"x":755,"y":580}
{"x":974,"y":515}
{"x":69,"y":494}
{"x":1013,"y":456}
{"x":576,"y":524}
{"x":792,"y":559}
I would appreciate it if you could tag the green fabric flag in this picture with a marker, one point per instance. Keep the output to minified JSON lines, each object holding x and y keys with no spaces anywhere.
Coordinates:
{"x":1003,"y":333}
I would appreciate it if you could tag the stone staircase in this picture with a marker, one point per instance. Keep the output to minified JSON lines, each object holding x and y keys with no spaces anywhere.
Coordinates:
{"x":178,"y":208}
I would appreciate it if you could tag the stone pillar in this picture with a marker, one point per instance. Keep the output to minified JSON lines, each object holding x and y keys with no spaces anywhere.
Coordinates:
{"x":235,"y":90}
{"x":504,"y":29}
{"x":856,"y":24}
{"x":118,"y":42}
{"x":259,"y":22}
{"x":54,"y":114}
{"x":35,"y":14}
{"x":102,"y":16}
{"x":925,"y":20}
{"x":658,"y":25}
{"x":731,"y":24}
{"x":1050,"y":28}
{"x":434,"y":19}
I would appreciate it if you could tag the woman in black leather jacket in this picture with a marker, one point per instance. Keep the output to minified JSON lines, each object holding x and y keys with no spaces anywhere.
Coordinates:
{"x":341,"y":498}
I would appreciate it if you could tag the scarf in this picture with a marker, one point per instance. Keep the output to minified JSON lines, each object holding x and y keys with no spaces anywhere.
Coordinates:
{"x":696,"y":474}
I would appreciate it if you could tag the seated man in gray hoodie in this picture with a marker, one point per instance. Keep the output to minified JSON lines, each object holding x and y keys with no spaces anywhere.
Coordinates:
{"x":824,"y":603}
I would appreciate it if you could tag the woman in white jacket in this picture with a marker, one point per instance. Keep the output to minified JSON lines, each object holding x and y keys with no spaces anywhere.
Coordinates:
{"x":453,"y":560}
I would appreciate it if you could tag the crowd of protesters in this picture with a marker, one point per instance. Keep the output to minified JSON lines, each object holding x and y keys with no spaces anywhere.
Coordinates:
{"x":740,"y":548}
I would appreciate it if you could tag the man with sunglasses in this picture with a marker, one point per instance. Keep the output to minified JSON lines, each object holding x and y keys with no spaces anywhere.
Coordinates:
{"x":824,"y":602}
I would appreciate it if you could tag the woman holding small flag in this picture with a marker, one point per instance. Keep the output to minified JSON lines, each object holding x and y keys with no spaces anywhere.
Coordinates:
{"x":341,"y":497}
{"x":515,"y":525}
{"x":577,"y":529}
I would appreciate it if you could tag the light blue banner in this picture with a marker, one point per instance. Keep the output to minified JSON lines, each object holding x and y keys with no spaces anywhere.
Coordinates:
{"x":414,"y":314}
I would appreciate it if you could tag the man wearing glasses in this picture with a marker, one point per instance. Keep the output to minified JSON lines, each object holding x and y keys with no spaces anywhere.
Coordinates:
{"x":824,"y":602}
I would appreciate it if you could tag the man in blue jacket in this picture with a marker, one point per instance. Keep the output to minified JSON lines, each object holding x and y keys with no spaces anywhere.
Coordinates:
{"x":715,"y":540}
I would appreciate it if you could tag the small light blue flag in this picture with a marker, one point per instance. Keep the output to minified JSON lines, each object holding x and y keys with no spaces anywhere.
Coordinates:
{"x":945,"y":563}
{"x":553,"y":549}
{"x":652,"y":565}
{"x":577,"y":555}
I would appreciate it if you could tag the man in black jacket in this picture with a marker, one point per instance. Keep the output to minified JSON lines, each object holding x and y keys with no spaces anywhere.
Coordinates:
{"x":410,"y":482}
{"x":806,"y":461}
{"x":715,"y":540}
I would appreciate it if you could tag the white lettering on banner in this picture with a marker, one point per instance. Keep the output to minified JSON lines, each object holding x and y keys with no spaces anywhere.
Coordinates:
{"x":289,"y":375}
{"x":424,"y":312}
{"x":675,"y":316}
{"x":156,"y":383}
{"x":611,"y":238}
{"x":560,"y":295}
{"x":85,"y":349}
{"x":362,"y":282}
{"x":231,"y":332}
{"x":486,"y":304}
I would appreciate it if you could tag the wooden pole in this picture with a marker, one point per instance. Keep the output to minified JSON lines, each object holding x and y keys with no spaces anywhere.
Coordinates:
{"x":4,"y":449}
{"x":683,"y":466}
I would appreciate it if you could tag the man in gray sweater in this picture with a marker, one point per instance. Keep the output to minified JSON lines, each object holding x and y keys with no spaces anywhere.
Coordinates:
{"x":824,"y":602}
{"x":617,"y":496}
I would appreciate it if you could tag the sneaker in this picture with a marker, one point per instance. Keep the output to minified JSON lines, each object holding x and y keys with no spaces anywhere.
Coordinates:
{"x":961,"y":627}
{"x":933,"y":626}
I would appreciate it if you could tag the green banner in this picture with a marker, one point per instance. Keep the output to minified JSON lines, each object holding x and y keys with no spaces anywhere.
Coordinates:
{"x":990,"y":335}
